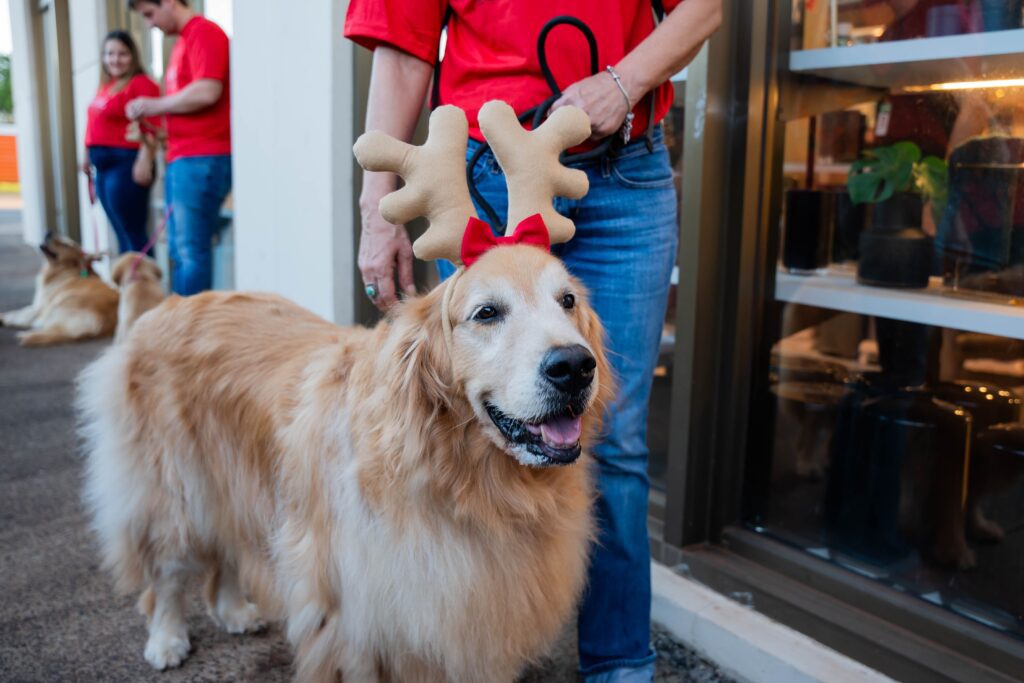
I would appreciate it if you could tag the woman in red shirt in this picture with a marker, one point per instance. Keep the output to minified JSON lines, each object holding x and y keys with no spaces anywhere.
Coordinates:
{"x":120,"y":154}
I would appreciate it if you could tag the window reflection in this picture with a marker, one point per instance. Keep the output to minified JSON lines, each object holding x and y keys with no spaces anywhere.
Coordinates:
{"x":897,"y":357}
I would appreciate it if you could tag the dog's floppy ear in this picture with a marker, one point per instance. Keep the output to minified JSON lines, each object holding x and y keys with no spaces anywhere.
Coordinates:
{"x":123,"y":267}
{"x":120,"y":270}
{"x":426,"y":376}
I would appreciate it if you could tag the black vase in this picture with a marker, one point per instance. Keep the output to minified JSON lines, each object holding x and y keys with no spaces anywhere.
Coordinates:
{"x":996,"y":464}
{"x":902,"y":210}
{"x":848,"y":221}
{"x":895,"y":252}
{"x":980,"y":238}
{"x":987,"y":404}
{"x":806,"y":239}
{"x":895,"y":483}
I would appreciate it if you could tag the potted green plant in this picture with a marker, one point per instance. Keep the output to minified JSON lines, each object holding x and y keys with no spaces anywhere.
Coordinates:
{"x":897,"y":182}
{"x":898,"y":172}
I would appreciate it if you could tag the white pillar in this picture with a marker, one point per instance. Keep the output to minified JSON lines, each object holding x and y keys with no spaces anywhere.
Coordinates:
{"x":27,"y":117}
{"x":88,"y":19}
{"x":292,"y":134}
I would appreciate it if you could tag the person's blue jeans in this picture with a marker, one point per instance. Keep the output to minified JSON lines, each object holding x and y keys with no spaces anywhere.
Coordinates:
{"x":125,"y":202}
{"x":623,"y":250}
{"x":195,"y":188}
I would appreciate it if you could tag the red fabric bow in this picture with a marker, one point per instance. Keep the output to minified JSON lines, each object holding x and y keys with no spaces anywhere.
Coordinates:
{"x":478,"y":237}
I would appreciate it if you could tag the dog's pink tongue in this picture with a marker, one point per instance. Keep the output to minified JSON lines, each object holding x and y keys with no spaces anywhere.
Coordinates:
{"x":561,"y":432}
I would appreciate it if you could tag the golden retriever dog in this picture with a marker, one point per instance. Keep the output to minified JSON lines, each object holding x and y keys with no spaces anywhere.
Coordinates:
{"x":138,"y":278}
{"x":71,"y":301}
{"x":409,"y":498}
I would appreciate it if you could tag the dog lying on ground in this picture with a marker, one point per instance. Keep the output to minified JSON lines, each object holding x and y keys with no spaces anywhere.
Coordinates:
{"x":71,"y":301}
{"x":138,"y":278}
{"x":407,"y":497}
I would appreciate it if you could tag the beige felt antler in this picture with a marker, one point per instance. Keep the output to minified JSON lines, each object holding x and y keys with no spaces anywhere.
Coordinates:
{"x":435,"y":181}
{"x":530,"y":160}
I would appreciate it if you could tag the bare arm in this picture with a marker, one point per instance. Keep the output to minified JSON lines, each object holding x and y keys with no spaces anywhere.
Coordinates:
{"x":398,"y":89}
{"x":144,"y":166}
{"x":194,"y":97}
{"x":672,"y":45}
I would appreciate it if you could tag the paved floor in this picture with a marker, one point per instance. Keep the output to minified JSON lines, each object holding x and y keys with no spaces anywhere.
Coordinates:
{"x":59,"y":620}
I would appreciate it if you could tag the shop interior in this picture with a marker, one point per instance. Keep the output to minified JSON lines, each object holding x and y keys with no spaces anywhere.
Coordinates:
{"x":896,"y":381}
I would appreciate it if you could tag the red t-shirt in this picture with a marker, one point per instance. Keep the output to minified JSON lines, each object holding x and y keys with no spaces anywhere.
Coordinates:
{"x":491,"y":52}
{"x":107,"y":125}
{"x":201,"y":52}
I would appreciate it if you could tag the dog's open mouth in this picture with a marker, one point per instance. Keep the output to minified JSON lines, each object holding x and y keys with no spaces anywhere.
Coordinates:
{"x":554,"y":438}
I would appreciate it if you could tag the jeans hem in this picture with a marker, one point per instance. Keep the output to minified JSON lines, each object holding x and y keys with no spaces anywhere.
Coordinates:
{"x":605,"y":667}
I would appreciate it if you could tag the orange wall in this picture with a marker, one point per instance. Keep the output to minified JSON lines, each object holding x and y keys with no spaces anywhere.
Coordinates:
{"x":8,"y":159}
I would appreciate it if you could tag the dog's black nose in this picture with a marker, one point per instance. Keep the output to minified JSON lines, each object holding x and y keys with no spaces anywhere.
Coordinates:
{"x":569,"y":368}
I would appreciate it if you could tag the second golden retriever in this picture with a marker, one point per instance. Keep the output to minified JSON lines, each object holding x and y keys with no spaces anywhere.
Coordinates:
{"x":138,"y":278}
{"x":71,"y":301}
{"x":410,"y":498}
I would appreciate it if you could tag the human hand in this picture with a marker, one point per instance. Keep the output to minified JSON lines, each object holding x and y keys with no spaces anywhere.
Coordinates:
{"x":382,"y":246}
{"x":142,"y":107}
{"x":142,"y":172}
{"x":600,"y":98}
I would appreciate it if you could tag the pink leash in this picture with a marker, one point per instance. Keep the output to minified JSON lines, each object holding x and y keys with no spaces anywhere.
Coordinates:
{"x":149,"y":245}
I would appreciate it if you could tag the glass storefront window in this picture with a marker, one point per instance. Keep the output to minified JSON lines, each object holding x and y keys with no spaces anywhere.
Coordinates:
{"x":659,"y":416}
{"x":896,"y":338}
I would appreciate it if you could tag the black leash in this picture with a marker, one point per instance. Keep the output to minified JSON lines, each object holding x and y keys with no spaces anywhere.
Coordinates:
{"x":538,"y":113}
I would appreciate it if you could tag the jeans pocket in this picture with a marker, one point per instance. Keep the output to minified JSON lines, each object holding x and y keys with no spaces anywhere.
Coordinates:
{"x":644,"y":171}
{"x":485,"y":165}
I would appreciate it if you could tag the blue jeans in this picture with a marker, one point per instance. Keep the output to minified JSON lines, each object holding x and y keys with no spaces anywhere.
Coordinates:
{"x":125,"y":202}
{"x":195,"y":189}
{"x":623,"y":250}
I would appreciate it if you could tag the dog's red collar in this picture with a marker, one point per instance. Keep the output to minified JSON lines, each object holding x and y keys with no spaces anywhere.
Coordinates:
{"x":478,"y":238}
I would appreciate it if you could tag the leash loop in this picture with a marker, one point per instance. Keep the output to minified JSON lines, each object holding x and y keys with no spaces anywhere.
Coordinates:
{"x":538,"y":113}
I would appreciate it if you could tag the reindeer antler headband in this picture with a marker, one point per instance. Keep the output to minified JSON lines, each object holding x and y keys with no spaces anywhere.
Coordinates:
{"x":435,"y":178}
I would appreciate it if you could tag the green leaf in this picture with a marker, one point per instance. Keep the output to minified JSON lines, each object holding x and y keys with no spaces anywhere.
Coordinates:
{"x":931,"y":176}
{"x":864,"y":188}
{"x":882,"y":172}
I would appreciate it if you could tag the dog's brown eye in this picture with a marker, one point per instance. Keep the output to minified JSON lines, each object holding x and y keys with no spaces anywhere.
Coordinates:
{"x":568,"y":301}
{"x":486,"y":313}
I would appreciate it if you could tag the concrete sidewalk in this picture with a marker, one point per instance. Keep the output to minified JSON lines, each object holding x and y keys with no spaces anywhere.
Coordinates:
{"x":59,"y":619}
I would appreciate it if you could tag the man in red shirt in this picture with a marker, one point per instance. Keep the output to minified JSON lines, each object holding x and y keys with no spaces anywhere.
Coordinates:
{"x":197,"y":106}
{"x":626,"y":227}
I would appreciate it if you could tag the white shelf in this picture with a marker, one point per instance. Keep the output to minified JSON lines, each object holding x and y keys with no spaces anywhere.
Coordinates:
{"x":801,"y":167}
{"x":922,"y":61}
{"x":837,"y":289}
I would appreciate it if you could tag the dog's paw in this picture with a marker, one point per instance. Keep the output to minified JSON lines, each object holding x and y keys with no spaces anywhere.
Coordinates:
{"x":166,"y":650}
{"x":242,"y":619}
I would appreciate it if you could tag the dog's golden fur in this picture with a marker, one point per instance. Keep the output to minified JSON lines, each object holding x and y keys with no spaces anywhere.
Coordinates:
{"x":71,"y":301}
{"x":138,"y":278}
{"x":352,"y":477}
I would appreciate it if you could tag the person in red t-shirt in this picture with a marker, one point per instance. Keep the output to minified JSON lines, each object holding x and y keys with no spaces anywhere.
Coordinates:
{"x":197,"y":106}
{"x":626,"y":227}
{"x":118,"y":158}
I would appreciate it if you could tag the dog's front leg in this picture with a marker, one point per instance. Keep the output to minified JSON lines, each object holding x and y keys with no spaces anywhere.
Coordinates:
{"x":21,"y":317}
{"x":168,"y":644}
